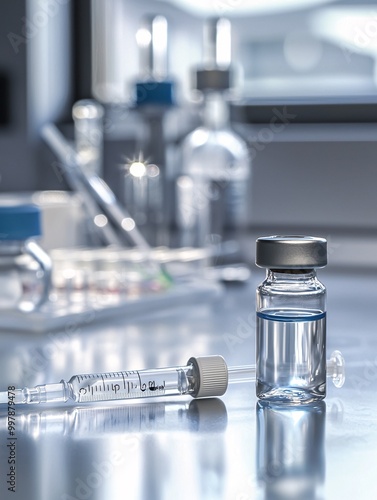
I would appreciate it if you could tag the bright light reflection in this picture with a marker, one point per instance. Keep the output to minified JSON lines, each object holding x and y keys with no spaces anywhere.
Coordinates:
{"x":223,"y":43}
{"x":160,"y":43}
{"x":143,"y":37}
{"x":87,"y":110}
{"x":100,"y":220}
{"x":138,"y":169}
{"x":354,"y":29}
{"x":239,"y":8}
{"x":128,"y":224}
{"x":153,"y":170}
{"x":185,"y":182}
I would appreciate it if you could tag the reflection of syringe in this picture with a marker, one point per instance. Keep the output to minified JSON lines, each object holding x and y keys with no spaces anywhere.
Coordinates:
{"x":88,"y":422}
{"x":205,"y":376}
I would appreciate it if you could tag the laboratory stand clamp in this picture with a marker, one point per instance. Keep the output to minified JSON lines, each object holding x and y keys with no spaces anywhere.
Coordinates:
{"x":202,"y":377}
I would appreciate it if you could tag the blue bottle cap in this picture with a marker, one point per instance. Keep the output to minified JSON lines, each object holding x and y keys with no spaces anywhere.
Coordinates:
{"x":19,"y":222}
{"x":155,"y":93}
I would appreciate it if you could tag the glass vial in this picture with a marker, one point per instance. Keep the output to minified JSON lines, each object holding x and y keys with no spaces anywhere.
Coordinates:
{"x":291,"y":320}
{"x":25,"y":269}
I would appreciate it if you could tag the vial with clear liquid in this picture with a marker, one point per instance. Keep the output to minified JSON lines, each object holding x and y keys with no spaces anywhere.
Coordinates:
{"x":291,"y":320}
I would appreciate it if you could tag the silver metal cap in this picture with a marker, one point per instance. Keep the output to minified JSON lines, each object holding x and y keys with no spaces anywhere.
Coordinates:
{"x":212,"y":376}
{"x":291,"y":252}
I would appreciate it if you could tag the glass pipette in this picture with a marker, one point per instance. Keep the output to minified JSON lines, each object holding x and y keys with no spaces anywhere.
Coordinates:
{"x":203,"y":376}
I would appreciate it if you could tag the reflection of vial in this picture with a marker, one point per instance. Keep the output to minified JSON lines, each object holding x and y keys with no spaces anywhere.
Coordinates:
{"x":291,"y":320}
{"x":290,"y":450}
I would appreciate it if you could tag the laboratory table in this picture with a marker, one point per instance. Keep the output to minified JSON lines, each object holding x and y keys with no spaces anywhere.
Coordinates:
{"x":227,"y":448}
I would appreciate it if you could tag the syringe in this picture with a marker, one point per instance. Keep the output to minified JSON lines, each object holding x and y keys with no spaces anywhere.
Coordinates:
{"x":203,"y":376}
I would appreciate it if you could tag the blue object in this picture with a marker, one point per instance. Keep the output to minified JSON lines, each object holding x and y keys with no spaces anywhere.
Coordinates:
{"x":297,"y":318}
{"x":154,"y":93}
{"x":19,"y":222}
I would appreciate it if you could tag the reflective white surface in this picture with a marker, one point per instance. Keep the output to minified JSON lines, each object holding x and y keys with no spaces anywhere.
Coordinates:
{"x":191,"y":449}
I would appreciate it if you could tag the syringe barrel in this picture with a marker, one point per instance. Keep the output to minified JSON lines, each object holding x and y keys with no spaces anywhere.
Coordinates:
{"x":203,"y":376}
{"x":132,"y":384}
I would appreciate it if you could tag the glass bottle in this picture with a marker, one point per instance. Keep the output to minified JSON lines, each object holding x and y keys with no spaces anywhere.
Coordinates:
{"x":147,"y":184}
{"x":291,"y":320}
{"x":25,"y":268}
{"x":213,"y":189}
{"x":212,"y":192}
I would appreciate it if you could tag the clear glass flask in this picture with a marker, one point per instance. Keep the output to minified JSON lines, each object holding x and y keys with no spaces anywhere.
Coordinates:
{"x":212,"y":193}
{"x":291,"y":320}
{"x":25,"y":268}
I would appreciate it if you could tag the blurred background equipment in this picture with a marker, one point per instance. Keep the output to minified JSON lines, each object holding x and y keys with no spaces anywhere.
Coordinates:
{"x":304,"y":74}
{"x":282,"y":114}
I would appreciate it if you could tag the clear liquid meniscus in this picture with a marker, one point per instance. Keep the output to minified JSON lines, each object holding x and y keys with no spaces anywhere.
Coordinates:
{"x":291,"y":355}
